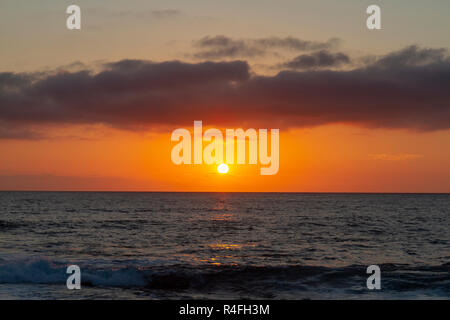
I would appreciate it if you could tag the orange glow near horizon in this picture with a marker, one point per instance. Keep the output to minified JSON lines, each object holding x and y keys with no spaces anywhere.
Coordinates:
{"x":338,"y":158}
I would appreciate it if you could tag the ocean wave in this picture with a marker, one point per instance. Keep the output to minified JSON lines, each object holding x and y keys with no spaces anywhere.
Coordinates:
{"x":395,"y":277}
{"x":42,"y":271}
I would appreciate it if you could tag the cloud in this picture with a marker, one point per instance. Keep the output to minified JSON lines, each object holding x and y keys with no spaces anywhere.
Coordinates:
{"x":395,"y":157}
{"x":317,"y":60}
{"x":69,"y":183}
{"x":12,"y":132}
{"x":143,"y":14}
{"x":412,"y":56}
{"x":144,"y":95}
{"x":166,"y":13}
{"x":219,"y":47}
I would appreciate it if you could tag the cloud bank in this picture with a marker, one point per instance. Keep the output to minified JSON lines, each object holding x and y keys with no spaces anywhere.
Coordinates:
{"x":407,"y":89}
{"x":219,"y":47}
{"x":318,"y":60}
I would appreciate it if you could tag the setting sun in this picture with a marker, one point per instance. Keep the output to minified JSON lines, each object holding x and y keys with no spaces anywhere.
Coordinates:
{"x":222,"y":168}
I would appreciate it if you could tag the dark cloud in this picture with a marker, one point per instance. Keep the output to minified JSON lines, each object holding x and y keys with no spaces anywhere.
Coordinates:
{"x":14,"y":132}
{"x":318,"y":60}
{"x":412,"y":56}
{"x":9,"y":80}
{"x":219,"y":47}
{"x":143,"y":95}
{"x":297,"y":44}
{"x":69,"y":183}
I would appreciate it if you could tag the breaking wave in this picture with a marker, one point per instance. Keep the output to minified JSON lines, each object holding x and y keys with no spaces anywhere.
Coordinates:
{"x":295,"y":278}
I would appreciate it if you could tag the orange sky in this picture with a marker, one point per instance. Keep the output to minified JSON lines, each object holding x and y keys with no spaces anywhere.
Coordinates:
{"x":334,"y":158}
{"x":328,"y":157}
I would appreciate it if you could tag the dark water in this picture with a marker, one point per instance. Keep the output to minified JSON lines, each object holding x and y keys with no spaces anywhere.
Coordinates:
{"x":224,"y":245}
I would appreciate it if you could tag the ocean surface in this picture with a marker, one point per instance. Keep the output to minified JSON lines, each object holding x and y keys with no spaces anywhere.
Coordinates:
{"x":224,"y":245}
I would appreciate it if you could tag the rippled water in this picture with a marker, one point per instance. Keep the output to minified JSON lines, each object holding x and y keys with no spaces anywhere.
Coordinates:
{"x":224,"y":245}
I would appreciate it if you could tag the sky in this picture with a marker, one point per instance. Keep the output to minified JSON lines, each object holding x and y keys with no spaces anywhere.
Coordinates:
{"x":93,"y":109}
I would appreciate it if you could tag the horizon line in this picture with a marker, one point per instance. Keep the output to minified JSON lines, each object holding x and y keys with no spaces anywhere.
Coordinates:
{"x":286,"y":192}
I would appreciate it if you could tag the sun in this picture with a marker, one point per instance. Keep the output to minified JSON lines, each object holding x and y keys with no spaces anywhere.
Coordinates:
{"x":222,"y":168}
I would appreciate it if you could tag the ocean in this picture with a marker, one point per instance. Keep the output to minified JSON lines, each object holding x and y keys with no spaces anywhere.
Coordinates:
{"x":224,"y":245}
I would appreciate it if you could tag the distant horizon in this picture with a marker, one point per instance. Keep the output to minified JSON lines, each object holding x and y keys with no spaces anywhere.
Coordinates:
{"x":275,"y":192}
